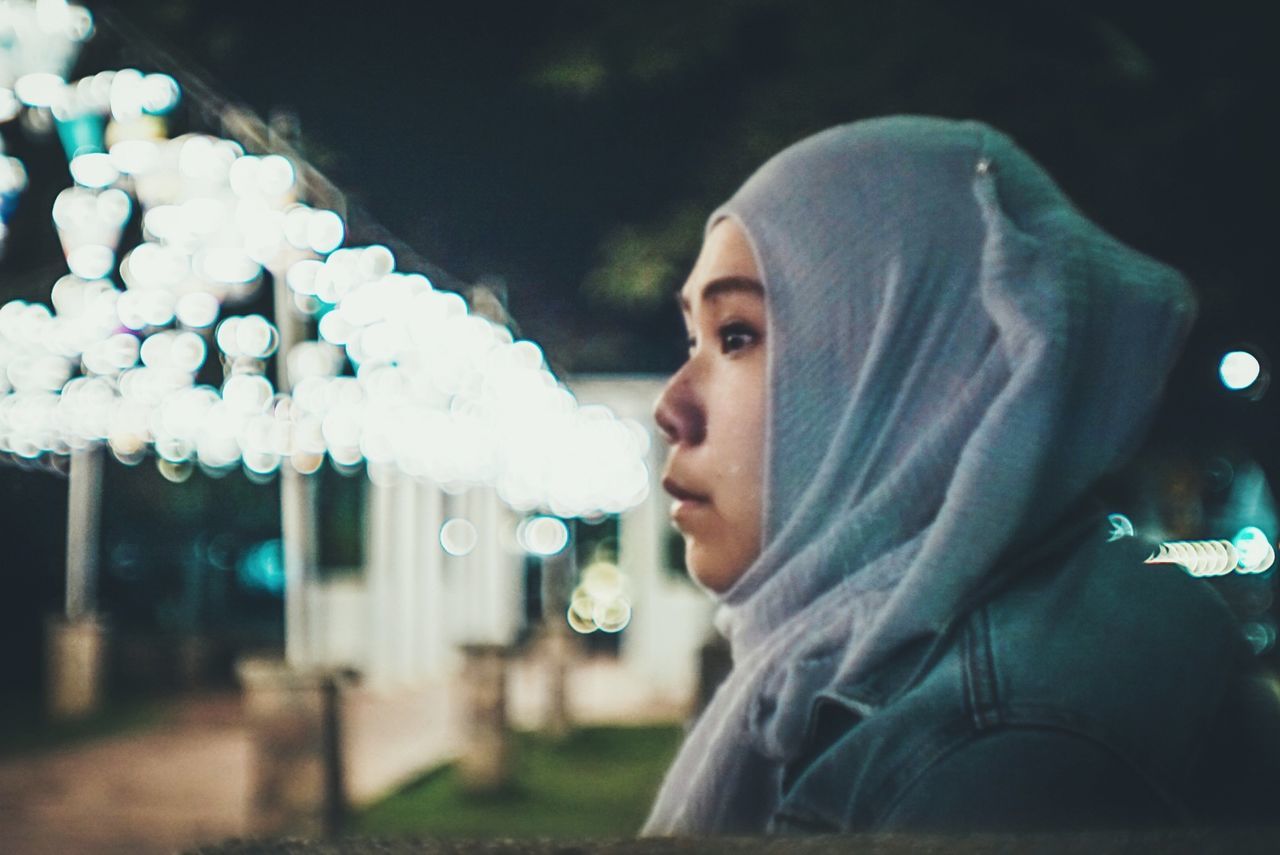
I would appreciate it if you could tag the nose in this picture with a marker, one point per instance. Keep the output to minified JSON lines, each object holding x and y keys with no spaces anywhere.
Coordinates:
{"x":679,"y":412}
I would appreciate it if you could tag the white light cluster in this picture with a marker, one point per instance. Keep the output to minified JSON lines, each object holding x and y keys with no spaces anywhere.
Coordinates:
{"x":601,"y":601}
{"x":436,"y":392}
{"x":541,"y":535}
{"x":450,"y":397}
{"x":41,"y":40}
{"x":89,"y":225}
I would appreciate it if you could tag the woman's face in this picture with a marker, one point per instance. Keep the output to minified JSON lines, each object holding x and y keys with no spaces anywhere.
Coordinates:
{"x":712,"y":412}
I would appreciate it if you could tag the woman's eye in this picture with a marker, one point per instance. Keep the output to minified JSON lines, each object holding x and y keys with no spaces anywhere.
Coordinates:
{"x":736,"y":336}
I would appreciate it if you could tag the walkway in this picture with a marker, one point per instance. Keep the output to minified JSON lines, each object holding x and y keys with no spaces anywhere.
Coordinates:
{"x":156,"y":791}
{"x":186,"y":782}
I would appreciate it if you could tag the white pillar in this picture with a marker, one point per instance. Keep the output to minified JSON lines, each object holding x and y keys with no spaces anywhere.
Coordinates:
{"x":379,"y":585}
{"x":432,"y":636}
{"x":297,"y":502}
{"x":84,"y":502}
{"x":298,"y":545}
{"x":405,"y":576}
{"x":488,"y":579}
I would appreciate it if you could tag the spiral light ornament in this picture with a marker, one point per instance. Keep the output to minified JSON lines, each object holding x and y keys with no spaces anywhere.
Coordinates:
{"x":1198,"y":557}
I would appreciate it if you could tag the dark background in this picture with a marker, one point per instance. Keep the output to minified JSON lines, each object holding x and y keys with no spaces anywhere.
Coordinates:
{"x":566,"y":153}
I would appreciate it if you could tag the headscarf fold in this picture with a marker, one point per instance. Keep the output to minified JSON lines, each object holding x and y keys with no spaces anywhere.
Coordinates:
{"x":955,"y":355}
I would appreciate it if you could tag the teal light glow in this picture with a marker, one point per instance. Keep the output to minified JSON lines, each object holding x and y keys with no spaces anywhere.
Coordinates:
{"x":261,"y":568}
{"x":1255,"y":550}
{"x":1121,"y":527}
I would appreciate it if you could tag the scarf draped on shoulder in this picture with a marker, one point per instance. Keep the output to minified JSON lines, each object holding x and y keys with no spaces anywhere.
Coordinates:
{"x":955,"y":355}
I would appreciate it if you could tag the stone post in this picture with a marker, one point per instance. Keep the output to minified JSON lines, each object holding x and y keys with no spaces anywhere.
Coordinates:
{"x":74,"y":660}
{"x":559,"y":573}
{"x":485,"y":765}
{"x":557,"y":646}
{"x":75,"y":644}
{"x":297,"y":785}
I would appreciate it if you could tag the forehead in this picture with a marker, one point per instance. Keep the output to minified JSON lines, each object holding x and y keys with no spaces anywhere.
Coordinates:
{"x":726,"y":255}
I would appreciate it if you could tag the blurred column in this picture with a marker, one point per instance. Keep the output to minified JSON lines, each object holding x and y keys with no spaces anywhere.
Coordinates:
{"x":491,"y":583}
{"x":432,"y":636}
{"x":559,"y":573}
{"x":297,"y":782}
{"x":76,"y":641}
{"x":405,"y":577}
{"x":298,"y":528}
{"x":379,"y":584}
{"x":84,"y":494}
{"x":486,"y":762}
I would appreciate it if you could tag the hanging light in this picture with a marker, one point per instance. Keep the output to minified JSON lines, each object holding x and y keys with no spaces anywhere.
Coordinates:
{"x":46,"y":37}
{"x":89,"y":225}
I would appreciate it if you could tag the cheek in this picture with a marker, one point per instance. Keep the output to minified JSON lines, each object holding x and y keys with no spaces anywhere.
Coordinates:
{"x":743,"y":438}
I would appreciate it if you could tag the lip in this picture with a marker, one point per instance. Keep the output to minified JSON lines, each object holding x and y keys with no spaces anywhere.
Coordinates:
{"x":687,"y":505}
{"x":681,"y":493}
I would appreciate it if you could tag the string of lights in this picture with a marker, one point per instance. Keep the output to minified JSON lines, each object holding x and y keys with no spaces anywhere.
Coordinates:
{"x":400,"y":376}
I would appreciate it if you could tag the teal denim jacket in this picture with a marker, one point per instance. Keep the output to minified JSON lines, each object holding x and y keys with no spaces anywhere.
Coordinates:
{"x":1089,"y":690}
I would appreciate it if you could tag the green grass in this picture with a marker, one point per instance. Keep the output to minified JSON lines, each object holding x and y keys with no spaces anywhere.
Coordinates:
{"x":26,"y":729}
{"x":599,"y":782}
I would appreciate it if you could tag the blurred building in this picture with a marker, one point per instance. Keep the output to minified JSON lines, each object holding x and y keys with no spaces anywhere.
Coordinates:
{"x":402,"y":620}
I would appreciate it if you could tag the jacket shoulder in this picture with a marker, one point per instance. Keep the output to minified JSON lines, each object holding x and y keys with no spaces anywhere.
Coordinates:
{"x":1136,"y":656}
{"x":1108,"y":669}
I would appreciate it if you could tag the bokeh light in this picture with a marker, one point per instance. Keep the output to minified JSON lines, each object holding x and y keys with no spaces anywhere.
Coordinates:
{"x":1254,"y":549}
{"x":542,"y":535}
{"x":1239,"y":370}
{"x":601,"y":600}
{"x":458,"y":536}
{"x":438,"y":393}
{"x":1261,"y":635}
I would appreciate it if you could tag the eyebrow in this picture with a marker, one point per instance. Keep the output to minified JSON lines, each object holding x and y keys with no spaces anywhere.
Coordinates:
{"x":720,"y":287}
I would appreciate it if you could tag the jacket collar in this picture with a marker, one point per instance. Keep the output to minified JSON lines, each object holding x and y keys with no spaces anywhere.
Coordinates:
{"x":870,"y":692}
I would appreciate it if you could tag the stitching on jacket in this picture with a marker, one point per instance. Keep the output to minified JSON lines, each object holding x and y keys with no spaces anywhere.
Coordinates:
{"x":966,"y":677}
{"x":986,"y":703}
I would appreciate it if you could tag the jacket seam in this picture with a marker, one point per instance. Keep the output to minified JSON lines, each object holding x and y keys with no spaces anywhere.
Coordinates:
{"x":979,"y":672}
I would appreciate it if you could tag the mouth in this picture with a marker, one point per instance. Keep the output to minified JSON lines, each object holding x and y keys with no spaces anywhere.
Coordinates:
{"x":687,"y":504}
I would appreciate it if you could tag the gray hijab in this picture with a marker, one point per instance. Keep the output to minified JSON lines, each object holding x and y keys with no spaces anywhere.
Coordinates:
{"x":956,"y":355}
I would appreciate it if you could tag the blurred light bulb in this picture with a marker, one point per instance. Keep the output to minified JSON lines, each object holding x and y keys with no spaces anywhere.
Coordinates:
{"x":39,"y":89}
{"x":458,"y":537}
{"x":93,"y":169}
{"x":612,"y":615}
{"x":197,"y":310}
{"x":1239,"y":370}
{"x":325,"y":231}
{"x":1256,"y":554}
{"x":543,"y":535}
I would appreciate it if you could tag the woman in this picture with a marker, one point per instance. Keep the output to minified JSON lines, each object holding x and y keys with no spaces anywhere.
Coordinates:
{"x":910,"y":361}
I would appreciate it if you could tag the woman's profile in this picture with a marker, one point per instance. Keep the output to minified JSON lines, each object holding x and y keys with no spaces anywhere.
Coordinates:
{"x":911,"y":361}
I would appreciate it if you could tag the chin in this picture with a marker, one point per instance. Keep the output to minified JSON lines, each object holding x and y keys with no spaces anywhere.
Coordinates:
{"x":711,"y":568}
